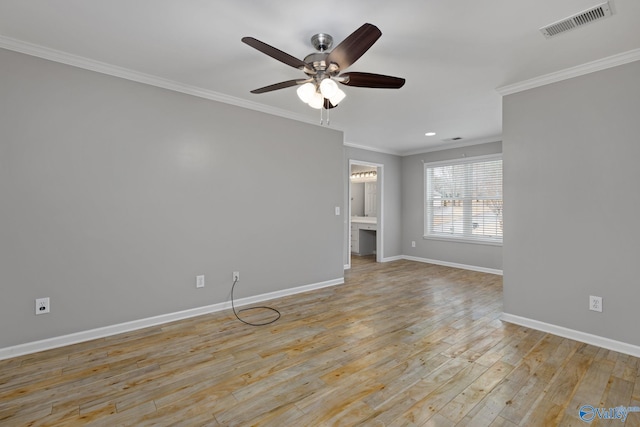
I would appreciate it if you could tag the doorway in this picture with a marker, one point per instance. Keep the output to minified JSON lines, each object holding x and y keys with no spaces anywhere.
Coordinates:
{"x":366,"y":208}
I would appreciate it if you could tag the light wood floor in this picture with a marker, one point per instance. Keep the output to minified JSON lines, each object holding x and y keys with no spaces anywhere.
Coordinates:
{"x":399,"y":344}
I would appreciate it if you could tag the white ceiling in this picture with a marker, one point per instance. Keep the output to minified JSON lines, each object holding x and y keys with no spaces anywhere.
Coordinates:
{"x":453,"y":53}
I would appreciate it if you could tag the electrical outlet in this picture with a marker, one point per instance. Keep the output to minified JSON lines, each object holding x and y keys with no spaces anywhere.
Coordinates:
{"x":595,"y":303}
{"x":200,"y":281}
{"x":236,"y":276}
{"x":413,"y":243}
{"x":43,"y":306}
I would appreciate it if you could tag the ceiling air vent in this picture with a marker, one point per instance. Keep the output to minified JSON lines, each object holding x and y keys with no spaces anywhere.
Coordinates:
{"x":572,"y":22}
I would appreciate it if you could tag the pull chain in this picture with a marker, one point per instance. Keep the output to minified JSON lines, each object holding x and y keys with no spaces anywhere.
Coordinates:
{"x":321,"y":113}
{"x":325,"y":106}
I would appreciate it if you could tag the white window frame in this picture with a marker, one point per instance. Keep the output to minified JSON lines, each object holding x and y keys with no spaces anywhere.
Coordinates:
{"x":467,"y":234}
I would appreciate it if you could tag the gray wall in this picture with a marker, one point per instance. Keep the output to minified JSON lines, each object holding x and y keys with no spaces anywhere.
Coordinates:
{"x":115,"y":195}
{"x":472,"y":254}
{"x":392,"y":198}
{"x":571,"y":179}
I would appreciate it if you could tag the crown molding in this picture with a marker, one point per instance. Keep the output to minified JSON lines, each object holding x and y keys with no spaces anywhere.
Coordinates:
{"x":438,"y":147}
{"x":569,"y":73}
{"x":136,"y":76}
{"x":452,"y":145}
{"x":376,"y":150}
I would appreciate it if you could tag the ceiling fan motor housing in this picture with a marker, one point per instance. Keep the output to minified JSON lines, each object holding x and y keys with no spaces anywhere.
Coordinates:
{"x":317,"y":61}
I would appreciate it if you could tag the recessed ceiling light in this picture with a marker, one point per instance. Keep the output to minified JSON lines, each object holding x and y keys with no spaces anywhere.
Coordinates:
{"x":430,"y":134}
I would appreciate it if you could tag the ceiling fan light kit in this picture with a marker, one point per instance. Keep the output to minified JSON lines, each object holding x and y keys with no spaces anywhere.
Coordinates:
{"x":320,"y":88}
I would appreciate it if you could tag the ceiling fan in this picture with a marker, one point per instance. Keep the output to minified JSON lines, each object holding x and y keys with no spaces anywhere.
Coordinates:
{"x":319,"y":89}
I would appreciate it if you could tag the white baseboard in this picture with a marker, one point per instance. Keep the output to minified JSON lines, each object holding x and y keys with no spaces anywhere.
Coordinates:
{"x":453,"y":264}
{"x":572,"y":334}
{"x":61,"y":341}
{"x":392,"y":258}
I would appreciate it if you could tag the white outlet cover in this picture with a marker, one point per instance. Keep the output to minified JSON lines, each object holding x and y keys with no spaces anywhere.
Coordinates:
{"x":595,"y":303}
{"x":43,"y":306}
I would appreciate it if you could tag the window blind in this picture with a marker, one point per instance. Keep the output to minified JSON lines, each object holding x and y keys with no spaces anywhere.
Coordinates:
{"x":463,"y":200}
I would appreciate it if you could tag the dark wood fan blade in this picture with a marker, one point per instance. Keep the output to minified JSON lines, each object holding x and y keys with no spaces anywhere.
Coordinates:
{"x":280,"y":85}
{"x":276,"y":53}
{"x":372,"y":80}
{"x":354,"y":46}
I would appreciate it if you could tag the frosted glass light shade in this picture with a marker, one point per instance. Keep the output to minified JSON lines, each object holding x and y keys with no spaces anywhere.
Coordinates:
{"x":306,"y":91}
{"x":316,"y":101}
{"x":328,"y":88}
{"x":337,"y":97}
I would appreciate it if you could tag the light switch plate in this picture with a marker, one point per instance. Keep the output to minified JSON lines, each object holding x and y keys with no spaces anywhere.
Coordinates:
{"x":200,"y":281}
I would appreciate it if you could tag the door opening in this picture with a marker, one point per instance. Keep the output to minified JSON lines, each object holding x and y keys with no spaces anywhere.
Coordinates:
{"x":365,"y":225}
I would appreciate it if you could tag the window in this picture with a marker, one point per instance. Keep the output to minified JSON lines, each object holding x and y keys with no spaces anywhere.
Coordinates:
{"x":463,"y":200}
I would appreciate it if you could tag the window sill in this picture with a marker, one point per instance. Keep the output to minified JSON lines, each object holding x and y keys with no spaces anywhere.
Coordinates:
{"x":463,"y":240}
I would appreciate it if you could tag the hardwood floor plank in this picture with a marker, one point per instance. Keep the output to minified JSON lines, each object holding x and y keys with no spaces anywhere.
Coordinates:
{"x":326,"y":402}
{"x":468,"y":398}
{"x":398,"y":344}
{"x":513,"y":335}
{"x":426,"y":408}
{"x":590,"y":389}
{"x":550,"y":407}
{"x":438,"y":420}
{"x":487,"y":411}
{"x":23,"y":415}
{"x":518,"y":407}
{"x":401,"y":377}
{"x":502,"y":422}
